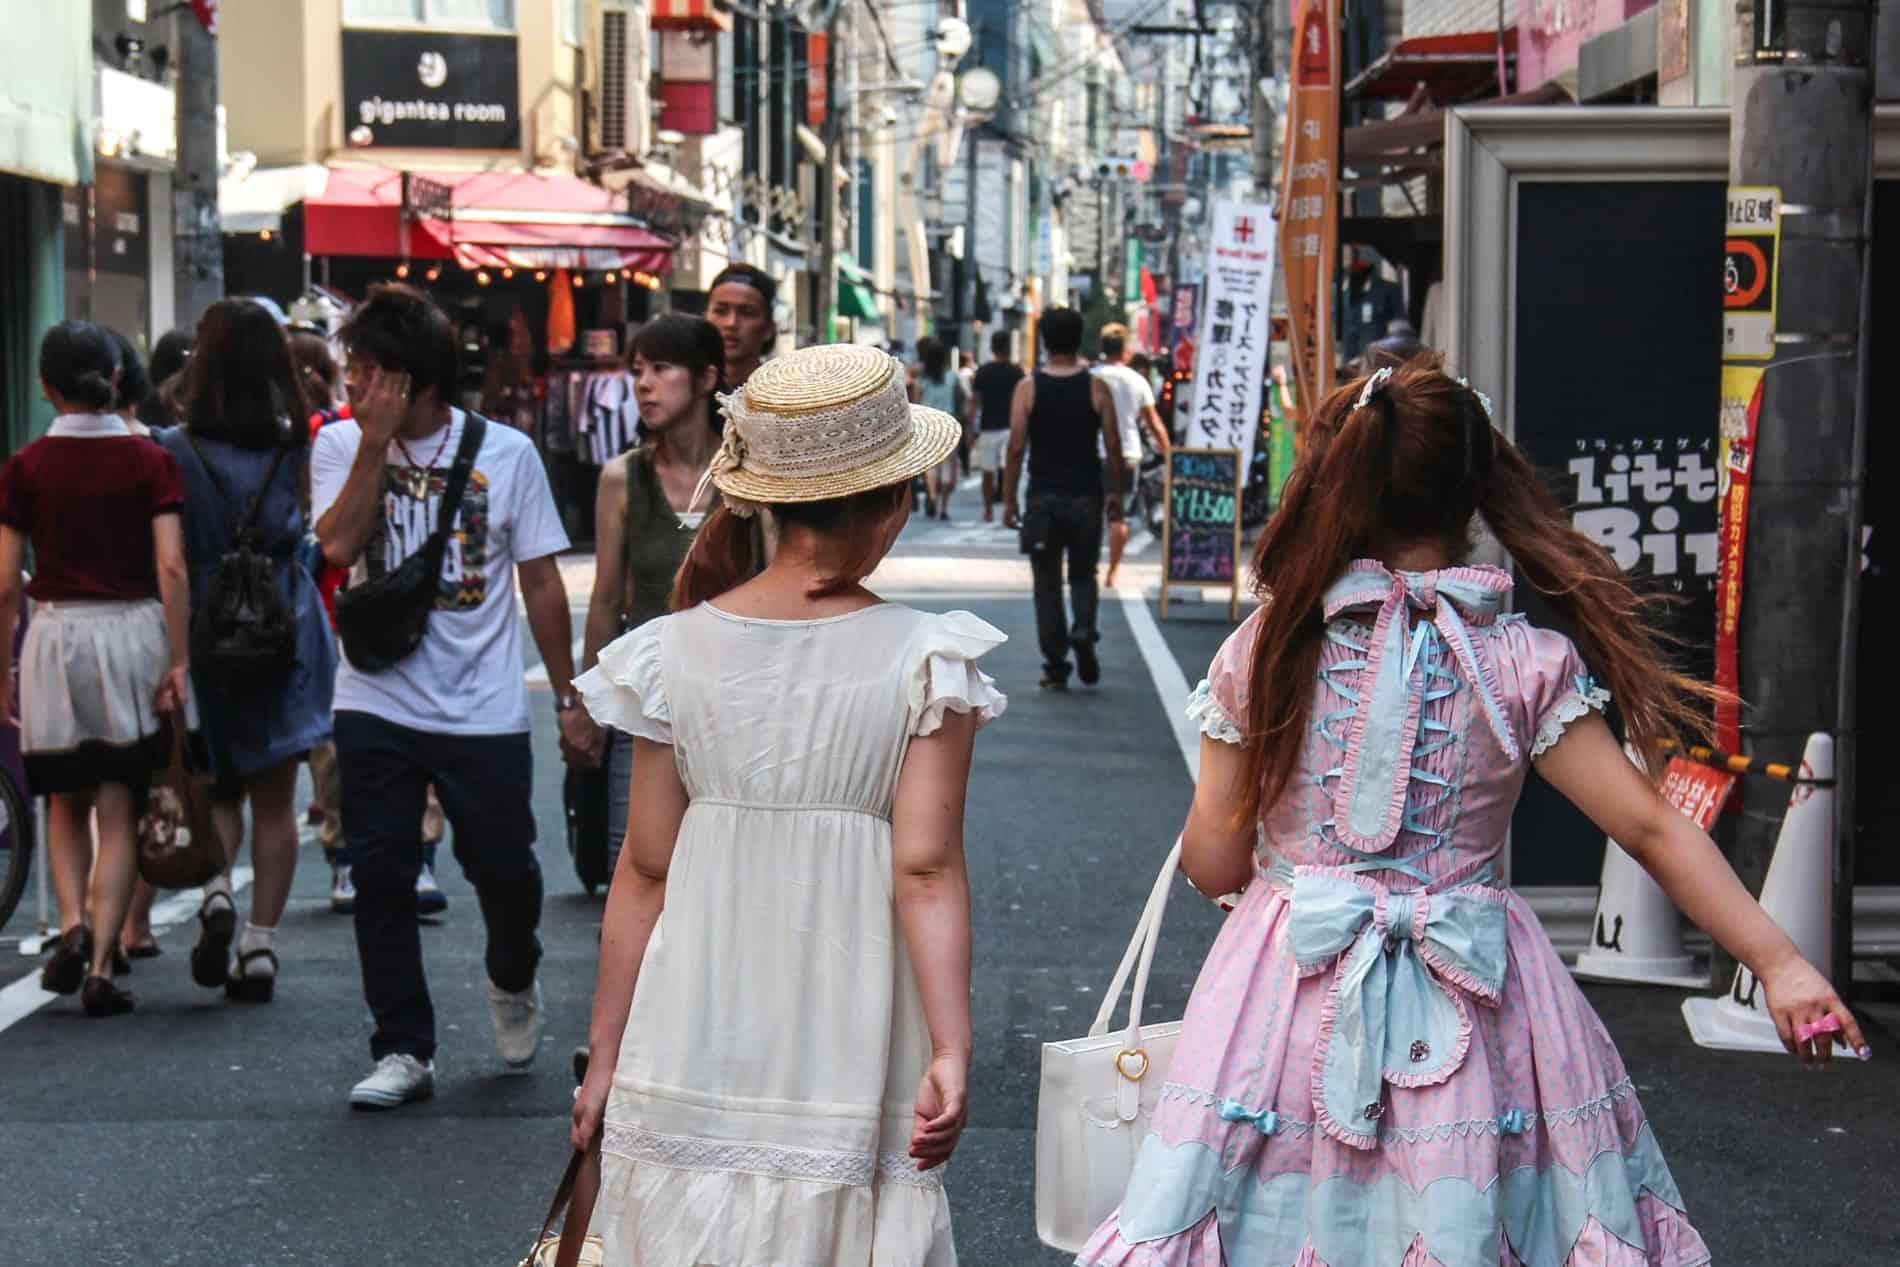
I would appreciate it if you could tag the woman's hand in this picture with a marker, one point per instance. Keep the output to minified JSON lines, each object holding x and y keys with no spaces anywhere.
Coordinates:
{"x":1798,"y":997}
{"x":590,"y":1103}
{"x":937,"y":1121}
{"x":170,"y":696}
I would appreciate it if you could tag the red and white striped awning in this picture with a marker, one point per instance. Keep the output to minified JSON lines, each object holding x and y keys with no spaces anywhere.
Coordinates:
{"x":689,"y":15}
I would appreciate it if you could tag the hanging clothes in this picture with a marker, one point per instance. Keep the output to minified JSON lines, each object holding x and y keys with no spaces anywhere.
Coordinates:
{"x":610,"y":417}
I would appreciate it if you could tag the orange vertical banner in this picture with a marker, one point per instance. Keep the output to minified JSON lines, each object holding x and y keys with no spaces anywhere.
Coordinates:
{"x":1309,"y":198}
{"x":1741,"y":409}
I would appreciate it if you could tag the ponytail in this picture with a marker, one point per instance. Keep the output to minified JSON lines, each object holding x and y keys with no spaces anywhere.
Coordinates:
{"x":1329,"y":514}
{"x":1608,"y":617}
{"x":720,"y":559}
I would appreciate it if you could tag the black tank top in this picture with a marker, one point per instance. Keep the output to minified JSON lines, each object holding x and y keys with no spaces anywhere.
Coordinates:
{"x":1065,"y":435}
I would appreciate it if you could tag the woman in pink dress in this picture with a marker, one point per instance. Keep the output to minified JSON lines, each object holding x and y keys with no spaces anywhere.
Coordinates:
{"x":1384,"y":1063}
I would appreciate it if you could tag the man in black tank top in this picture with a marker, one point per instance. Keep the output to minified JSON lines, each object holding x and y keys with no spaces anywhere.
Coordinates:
{"x":1065,"y":418}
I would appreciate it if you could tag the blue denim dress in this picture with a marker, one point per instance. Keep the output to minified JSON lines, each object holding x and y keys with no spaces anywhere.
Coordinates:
{"x":249,"y":730}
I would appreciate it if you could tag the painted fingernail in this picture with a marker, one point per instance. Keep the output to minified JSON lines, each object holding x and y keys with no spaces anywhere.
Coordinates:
{"x":1865,"y":1053}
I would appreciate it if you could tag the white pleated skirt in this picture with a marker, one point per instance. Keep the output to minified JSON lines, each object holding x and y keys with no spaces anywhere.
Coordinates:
{"x":88,"y":675}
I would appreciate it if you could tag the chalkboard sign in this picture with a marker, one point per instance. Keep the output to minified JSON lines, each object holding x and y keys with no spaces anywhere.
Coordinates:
{"x":1201,"y":534}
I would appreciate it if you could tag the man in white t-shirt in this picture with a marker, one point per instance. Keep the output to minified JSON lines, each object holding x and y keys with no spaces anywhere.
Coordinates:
{"x":1134,"y":409}
{"x":454,"y":712}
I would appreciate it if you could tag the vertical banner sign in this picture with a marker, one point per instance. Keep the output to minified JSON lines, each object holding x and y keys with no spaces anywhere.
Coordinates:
{"x":1696,"y":790}
{"x":1231,"y":360}
{"x":1200,"y":535}
{"x":1309,"y":196}
{"x":1748,"y":273}
{"x":1741,"y":409}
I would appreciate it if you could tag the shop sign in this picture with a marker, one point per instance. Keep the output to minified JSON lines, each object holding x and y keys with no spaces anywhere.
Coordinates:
{"x":425,"y":90}
{"x":1233,"y":330}
{"x":817,"y":51}
{"x":1309,"y":196}
{"x":1741,"y":410}
{"x":137,"y":118}
{"x":1748,"y":272}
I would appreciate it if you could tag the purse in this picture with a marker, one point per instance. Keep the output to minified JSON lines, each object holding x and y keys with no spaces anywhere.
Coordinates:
{"x":579,"y":1187}
{"x":381,"y":621}
{"x":1099,"y":1093}
{"x":584,"y":800}
{"x":178,"y":845}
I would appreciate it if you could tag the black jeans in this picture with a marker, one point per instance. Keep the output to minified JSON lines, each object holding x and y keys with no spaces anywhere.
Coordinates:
{"x":485,"y":784}
{"x":1058,"y":526}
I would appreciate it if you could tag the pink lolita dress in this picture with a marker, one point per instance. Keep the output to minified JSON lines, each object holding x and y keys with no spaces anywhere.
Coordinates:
{"x":1384,"y":1063}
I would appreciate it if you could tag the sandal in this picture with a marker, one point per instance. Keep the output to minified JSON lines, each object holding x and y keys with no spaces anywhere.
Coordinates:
{"x":244,"y":987}
{"x":71,"y":959}
{"x":211,"y":957}
{"x":147,"y":949}
{"x":101,"y":998}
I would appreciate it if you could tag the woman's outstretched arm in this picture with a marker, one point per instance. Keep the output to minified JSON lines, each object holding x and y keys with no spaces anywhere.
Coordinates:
{"x":1589,"y":767}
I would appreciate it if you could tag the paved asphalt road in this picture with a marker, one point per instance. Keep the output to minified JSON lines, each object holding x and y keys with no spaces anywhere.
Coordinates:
{"x":200,"y":1131}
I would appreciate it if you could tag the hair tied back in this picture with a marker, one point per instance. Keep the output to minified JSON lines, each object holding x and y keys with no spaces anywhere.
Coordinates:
{"x":1374,"y":385}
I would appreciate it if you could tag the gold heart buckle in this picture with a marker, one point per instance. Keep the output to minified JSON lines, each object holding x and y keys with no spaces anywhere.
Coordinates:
{"x":1140,"y":1056}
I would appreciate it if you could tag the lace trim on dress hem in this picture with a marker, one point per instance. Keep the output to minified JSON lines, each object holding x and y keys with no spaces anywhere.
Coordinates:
{"x":1203,"y":708}
{"x":771,"y":1161}
{"x":1586,"y":696}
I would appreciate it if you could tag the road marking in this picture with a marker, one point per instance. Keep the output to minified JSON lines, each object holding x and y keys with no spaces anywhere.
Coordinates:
{"x":24,"y":997}
{"x":1170,"y":683}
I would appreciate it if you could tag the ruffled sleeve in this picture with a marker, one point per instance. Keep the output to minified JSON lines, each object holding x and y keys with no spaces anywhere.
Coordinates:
{"x":1556,"y":687}
{"x":1219,"y":704}
{"x":944,"y":677}
{"x":626,"y":690}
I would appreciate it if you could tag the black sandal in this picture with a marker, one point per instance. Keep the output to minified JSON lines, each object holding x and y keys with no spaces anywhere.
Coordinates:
{"x":71,"y":960}
{"x":211,"y":957}
{"x":245,"y":988}
{"x":101,"y":998}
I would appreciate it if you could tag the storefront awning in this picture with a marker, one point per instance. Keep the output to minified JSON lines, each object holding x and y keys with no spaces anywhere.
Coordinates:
{"x":491,"y":219}
{"x":256,"y":201}
{"x":1450,"y":68}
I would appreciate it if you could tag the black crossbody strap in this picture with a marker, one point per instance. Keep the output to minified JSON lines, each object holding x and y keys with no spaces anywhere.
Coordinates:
{"x":474,"y":430}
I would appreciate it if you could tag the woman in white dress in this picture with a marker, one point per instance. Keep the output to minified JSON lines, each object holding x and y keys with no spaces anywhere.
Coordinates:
{"x":779,"y":1062}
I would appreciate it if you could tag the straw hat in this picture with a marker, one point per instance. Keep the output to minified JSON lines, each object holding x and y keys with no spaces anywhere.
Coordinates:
{"x":825,"y":422}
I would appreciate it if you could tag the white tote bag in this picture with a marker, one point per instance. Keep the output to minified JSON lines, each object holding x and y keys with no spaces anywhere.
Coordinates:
{"x":1099,"y":1095}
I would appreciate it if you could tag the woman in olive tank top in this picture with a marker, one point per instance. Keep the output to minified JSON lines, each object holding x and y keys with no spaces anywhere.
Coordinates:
{"x":645,"y":515}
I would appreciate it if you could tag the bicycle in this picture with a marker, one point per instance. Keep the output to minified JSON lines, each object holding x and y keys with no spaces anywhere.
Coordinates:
{"x":16,"y":829}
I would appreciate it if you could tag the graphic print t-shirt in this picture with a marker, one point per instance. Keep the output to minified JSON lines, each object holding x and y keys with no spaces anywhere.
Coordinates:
{"x":466,"y":677}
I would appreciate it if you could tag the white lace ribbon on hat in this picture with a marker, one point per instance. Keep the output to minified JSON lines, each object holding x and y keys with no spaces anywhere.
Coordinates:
{"x":810,"y":443}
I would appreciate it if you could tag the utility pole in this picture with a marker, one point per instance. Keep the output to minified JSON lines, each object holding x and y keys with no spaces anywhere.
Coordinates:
{"x":828,"y":193}
{"x":198,"y":246}
{"x":1802,"y":122}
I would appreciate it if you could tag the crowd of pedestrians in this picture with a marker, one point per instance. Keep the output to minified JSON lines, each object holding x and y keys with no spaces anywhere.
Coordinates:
{"x":781,"y":1075}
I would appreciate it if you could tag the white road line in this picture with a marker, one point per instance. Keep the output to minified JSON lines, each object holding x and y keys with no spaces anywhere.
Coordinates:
{"x":24,"y":997}
{"x":1170,"y":683}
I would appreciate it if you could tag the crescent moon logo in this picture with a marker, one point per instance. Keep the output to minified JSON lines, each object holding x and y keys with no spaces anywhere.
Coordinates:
{"x":432,"y":69}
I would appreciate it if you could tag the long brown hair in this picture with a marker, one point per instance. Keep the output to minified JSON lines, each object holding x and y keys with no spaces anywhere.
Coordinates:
{"x":722,"y":553}
{"x":241,"y":385}
{"x":1415,"y":465}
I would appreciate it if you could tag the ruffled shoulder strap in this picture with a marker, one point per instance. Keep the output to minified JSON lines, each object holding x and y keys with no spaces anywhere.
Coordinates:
{"x":942,"y":676}
{"x":626,"y":688}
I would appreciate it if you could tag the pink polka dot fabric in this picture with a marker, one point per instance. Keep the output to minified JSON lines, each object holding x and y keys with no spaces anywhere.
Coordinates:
{"x":1535,"y":1152}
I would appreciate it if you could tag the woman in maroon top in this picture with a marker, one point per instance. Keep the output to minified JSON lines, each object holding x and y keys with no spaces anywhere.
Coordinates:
{"x":105,"y":654}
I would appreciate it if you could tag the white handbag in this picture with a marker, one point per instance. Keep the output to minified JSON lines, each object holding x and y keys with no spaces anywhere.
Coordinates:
{"x":1099,"y":1094}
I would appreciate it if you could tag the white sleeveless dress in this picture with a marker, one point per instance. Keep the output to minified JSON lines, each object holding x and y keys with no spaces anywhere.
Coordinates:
{"x":762,"y":1102}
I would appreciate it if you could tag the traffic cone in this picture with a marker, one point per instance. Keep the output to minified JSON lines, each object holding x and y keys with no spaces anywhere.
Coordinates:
{"x":1798,"y":896}
{"x":1637,"y":935}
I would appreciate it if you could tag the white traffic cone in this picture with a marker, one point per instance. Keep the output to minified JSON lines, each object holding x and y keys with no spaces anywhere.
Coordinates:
{"x":1798,"y":896}
{"x":1637,"y":936}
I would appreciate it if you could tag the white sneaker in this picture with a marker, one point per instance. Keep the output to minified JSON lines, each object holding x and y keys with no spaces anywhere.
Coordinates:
{"x":430,"y":900}
{"x":397,"y":1079}
{"x":342,"y":890}
{"x":519,"y":1021}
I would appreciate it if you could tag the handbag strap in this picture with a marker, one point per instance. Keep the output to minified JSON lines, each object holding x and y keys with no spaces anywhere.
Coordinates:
{"x":579,"y":1187}
{"x":245,"y":528}
{"x":1140,"y":951}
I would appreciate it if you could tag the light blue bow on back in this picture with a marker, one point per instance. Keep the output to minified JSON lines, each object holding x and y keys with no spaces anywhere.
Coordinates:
{"x":1407,"y":961}
{"x":1369,"y":801}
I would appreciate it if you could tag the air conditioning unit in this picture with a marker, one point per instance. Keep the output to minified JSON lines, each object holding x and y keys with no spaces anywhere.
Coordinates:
{"x":621,"y":80}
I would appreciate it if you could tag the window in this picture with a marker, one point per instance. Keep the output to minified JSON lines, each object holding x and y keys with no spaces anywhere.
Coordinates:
{"x":497,"y":15}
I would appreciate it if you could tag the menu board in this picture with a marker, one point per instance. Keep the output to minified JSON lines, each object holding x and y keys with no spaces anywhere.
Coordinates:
{"x":1201,"y":533}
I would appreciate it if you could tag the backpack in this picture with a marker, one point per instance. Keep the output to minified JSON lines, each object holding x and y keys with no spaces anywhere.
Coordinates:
{"x":244,"y":631}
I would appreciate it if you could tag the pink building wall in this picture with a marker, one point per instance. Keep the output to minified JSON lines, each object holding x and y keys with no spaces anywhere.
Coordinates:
{"x":1551,"y":31}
